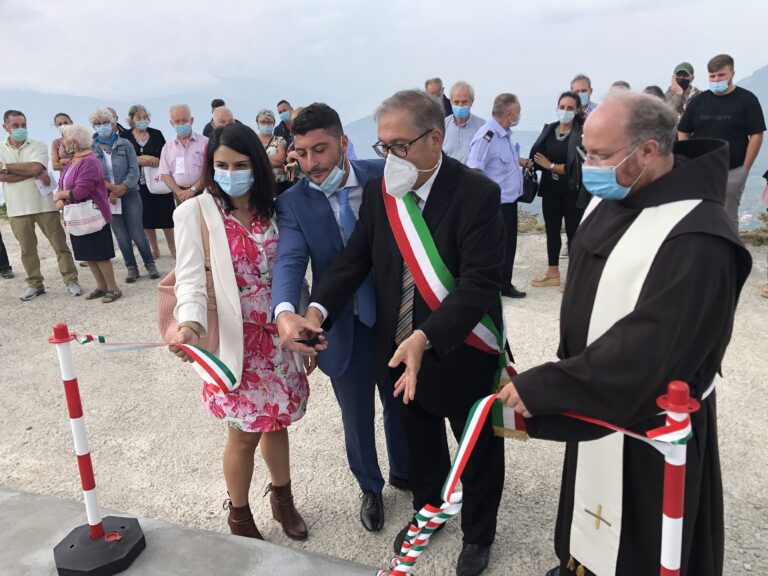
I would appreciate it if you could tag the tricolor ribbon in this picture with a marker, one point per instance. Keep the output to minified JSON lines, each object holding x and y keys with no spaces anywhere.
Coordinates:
{"x":215,"y":372}
{"x":429,"y":518}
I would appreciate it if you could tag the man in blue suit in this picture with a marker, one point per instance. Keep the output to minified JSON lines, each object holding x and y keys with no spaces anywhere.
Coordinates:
{"x":316,"y":217}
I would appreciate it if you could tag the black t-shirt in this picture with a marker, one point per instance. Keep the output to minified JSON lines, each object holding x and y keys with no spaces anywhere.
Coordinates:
{"x":732,"y":117}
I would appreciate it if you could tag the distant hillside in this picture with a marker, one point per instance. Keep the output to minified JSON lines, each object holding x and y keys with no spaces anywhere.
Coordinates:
{"x":758,"y":83}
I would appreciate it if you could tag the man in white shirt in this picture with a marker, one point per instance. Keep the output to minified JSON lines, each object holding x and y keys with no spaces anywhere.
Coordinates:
{"x":24,"y":165}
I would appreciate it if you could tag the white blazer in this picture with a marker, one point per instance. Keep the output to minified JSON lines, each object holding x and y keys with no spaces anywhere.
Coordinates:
{"x":191,"y":296}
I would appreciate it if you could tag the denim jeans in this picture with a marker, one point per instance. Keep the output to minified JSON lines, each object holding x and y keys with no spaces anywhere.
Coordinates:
{"x":129,"y":229}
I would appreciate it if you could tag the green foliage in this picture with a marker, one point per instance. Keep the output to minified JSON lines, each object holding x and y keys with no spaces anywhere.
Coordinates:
{"x":758,"y":236}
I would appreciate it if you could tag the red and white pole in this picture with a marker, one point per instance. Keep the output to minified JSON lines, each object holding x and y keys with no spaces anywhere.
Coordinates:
{"x":61,"y":339}
{"x":678,"y":405}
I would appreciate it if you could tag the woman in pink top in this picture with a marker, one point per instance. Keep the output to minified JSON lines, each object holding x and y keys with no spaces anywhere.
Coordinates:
{"x":81,"y":181}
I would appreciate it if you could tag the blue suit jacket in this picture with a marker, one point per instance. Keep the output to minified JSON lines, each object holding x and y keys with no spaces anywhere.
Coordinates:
{"x":309,"y":232}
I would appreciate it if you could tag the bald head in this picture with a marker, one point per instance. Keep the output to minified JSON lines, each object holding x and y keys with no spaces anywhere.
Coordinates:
{"x":222,"y":116}
{"x":634,"y":132}
{"x":631,"y":118}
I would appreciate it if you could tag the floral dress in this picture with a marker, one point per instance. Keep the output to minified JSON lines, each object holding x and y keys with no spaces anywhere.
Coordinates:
{"x":273,"y":392}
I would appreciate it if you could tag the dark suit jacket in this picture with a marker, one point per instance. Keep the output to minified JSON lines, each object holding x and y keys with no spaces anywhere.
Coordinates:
{"x":309,"y":232}
{"x":463,"y":215}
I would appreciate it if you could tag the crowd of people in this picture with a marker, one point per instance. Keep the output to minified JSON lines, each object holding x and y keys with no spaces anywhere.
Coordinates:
{"x":646,"y":187}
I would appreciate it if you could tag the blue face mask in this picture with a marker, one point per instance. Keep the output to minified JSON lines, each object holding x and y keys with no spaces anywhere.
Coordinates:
{"x":183,"y":130}
{"x":19,"y":134}
{"x":103,"y":130}
{"x":331,"y":182}
{"x":719,"y":87}
{"x":266,"y":129}
{"x":565,"y":116}
{"x":234,"y":183}
{"x":285,"y":116}
{"x":461,"y":112}
{"x":142,"y":124}
{"x":584,"y":97}
{"x":601,"y":181}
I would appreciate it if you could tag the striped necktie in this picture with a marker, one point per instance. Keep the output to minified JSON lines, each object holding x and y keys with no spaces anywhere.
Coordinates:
{"x":407,"y":291}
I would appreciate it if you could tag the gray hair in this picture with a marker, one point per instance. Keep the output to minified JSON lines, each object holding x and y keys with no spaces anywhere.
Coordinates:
{"x":186,"y":108}
{"x":426,"y":112}
{"x":461,"y":84}
{"x":648,"y":118}
{"x":501,"y":104}
{"x":79,"y":133}
{"x":136,"y":109}
{"x":434,"y":80}
{"x":265,"y":113}
{"x":100,"y":116}
{"x":581,"y":77}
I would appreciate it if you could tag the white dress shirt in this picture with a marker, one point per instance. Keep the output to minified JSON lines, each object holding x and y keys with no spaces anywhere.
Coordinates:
{"x":422,"y":194}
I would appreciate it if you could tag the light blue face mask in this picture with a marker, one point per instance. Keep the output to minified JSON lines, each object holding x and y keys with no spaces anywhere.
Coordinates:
{"x":234,"y":183}
{"x":103,"y":130}
{"x":183,"y":130}
{"x":142,"y":124}
{"x":266,"y":129}
{"x":461,"y":112}
{"x":19,"y":134}
{"x":584,"y":97}
{"x":332,"y":181}
{"x":719,"y":87}
{"x":601,"y":180}
{"x":285,"y":116}
{"x":565,"y":116}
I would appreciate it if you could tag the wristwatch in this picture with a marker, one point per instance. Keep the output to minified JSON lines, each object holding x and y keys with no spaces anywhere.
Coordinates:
{"x":5,"y":168}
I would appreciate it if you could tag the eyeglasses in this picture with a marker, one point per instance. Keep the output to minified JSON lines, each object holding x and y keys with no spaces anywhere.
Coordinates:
{"x":599,"y":158}
{"x":399,"y":150}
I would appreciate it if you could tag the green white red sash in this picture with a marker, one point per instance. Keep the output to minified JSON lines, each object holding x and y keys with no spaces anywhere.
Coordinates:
{"x":213,"y":370}
{"x":434,"y":282}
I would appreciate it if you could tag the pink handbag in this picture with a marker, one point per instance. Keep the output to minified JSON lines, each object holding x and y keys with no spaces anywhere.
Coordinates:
{"x":166,"y":300}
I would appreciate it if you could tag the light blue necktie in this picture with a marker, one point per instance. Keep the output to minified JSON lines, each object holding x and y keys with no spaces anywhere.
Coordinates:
{"x":365,"y":295}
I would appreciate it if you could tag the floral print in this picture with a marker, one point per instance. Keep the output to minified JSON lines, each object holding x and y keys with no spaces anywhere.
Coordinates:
{"x":272,"y":392}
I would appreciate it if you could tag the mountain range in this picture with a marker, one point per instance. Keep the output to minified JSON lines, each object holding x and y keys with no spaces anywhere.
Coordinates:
{"x":246,"y":96}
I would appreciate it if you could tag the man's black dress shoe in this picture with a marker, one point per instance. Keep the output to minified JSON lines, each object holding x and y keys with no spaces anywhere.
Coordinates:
{"x":372,"y":511}
{"x":553,"y":572}
{"x":512,"y":292}
{"x":473,"y":559}
{"x":400,"y":538}
{"x":399,"y":483}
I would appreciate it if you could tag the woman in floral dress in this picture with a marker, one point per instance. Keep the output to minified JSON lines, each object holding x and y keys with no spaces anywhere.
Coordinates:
{"x":238,"y":208}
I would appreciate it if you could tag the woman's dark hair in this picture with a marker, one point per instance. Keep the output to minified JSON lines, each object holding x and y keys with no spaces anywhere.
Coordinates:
{"x":242,"y":139}
{"x":580,"y":117}
{"x":62,"y":114}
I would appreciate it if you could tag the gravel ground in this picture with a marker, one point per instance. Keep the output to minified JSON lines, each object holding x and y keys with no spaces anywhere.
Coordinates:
{"x":156,"y":454}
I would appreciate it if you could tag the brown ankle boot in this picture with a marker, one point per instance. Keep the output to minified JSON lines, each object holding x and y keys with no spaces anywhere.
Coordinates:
{"x":241,"y":521}
{"x":285,"y":512}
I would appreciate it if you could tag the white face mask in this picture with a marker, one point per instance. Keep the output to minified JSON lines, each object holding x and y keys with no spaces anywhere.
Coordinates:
{"x":400,"y":175}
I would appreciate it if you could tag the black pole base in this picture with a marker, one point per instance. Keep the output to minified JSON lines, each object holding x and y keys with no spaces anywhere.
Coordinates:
{"x":78,"y":555}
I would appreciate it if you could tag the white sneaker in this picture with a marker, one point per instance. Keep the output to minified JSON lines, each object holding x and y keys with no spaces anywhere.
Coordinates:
{"x":74,"y":289}
{"x":564,"y":253}
{"x":31,"y":293}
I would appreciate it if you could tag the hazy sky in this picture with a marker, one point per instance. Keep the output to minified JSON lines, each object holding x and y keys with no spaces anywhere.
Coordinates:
{"x":355,"y":53}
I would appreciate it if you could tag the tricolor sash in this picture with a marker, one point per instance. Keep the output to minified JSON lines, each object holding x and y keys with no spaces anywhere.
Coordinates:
{"x":434,"y":282}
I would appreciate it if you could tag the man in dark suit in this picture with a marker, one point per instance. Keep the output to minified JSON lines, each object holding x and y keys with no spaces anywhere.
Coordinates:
{"x":443,"y":376}
{"x":316,"y":217}
{"x":434,"y":87}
